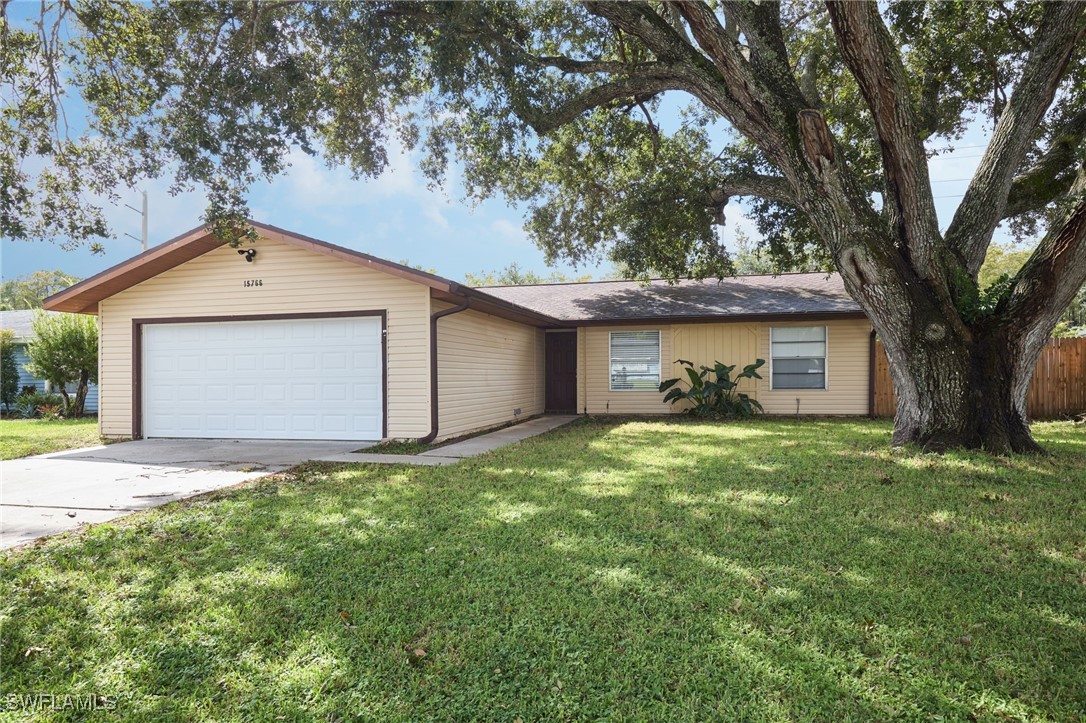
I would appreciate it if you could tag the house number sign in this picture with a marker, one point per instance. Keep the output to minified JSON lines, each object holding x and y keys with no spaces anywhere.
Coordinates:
{"x":249,"y":283}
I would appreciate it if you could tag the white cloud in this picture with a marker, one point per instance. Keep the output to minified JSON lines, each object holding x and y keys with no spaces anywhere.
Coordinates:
{"x":509,"y":232}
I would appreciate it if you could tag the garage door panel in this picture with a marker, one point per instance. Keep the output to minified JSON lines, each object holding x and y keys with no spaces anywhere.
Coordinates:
{"x":286,"y":379}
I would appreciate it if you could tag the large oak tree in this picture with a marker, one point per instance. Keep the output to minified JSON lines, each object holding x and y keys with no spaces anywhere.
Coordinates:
{"x":824,"y":116}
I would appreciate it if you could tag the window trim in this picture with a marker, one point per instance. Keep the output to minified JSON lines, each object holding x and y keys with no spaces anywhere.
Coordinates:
{"x":660,"y":351}
{"x":825,"y":360}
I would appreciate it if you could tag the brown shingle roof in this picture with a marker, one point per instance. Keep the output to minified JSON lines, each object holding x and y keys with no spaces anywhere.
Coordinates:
{"x":740,"y":296}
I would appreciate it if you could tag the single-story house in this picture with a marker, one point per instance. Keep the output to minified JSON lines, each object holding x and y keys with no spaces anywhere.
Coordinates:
{"x":21,"y":322}
{"x":294,"y":338}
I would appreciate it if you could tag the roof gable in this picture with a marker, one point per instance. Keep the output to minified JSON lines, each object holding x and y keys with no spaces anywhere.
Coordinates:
{"x":84,"y":296}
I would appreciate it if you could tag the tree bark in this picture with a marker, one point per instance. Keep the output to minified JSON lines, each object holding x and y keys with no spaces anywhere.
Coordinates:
{"x":79,"y":401}
{"x":966,"y":394}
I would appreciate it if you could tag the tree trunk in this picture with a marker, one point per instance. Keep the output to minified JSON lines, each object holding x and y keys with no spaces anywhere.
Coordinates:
{"x":969,"y":393}
{"x":960,"y":383}
{"x":75,"y":408}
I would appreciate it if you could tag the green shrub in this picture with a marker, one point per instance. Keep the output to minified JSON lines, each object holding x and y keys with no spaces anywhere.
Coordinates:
{"x":712,"y":392}
{"x":25,"y":409}
{"x":29,"y":406}
{"x":9,"y":369}
{"x":50,"y":412}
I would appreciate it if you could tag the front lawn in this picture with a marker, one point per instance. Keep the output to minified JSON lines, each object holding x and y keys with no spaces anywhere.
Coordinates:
{"x":777,"y":570}
{"x":24,"y":437}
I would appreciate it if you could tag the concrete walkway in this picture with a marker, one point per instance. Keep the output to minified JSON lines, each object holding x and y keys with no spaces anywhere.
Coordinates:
{"x":453,"y":453}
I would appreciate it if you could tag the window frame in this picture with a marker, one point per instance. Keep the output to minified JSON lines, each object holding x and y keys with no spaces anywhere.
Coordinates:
{"x":825,"y":360}
{"x":660,"y":360}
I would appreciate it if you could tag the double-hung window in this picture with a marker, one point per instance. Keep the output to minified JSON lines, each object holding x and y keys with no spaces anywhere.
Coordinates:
{"x":635,"y":361}
{"x":799,"y":357}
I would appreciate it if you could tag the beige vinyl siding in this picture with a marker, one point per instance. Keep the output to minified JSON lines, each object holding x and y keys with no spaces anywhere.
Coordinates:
{"x":848,"y":359}
{"x":487,"y":368}
{"x":294,"y":280}
{"x":594,"y":394}
{"x":709,"y":343}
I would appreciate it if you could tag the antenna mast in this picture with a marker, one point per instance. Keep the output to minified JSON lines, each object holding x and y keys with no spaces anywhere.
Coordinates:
{"x":143,"y":213}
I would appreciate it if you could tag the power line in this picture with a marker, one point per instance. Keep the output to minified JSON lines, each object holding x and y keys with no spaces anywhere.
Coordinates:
{"x":956,"y":157}
{"x":949,"y":148}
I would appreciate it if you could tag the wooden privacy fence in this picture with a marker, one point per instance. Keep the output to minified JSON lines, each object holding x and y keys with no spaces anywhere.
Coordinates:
{"x":1058,"y":388}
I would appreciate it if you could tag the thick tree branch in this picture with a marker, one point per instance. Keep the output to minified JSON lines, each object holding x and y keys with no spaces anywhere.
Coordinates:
{"x":716,"y":71}
{"x":773,"y":188}
{"x":761,"y":26}
{"x":872,"y":57}
{"x":1051,"y":176}
{"x":986,"y":198}
{"x":633,"y":89}
{"x":718,"y":43}
{"x":1055,"y":271}
{"x":772,"y":117}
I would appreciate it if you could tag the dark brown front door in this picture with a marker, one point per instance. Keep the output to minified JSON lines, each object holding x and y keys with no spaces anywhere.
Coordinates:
{"x":561,"y":359}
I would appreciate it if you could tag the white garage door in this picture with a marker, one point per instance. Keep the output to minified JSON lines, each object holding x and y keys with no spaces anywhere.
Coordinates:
{"x":292,"y":379}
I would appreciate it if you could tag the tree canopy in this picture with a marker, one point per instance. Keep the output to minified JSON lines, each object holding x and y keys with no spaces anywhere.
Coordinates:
{"x":28,"y":292}
{"x":513,"y":275}
{"x":64,"y":349}
{"x":554,"y":104}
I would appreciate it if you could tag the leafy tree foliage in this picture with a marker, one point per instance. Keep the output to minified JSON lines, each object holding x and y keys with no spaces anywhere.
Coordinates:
{"x":27,"y":292}
{"x":9,"y":370}
{"x":823,"y":115}
{"x":751,"y":257}
{"x":1004,"y":261}
{"x":512,"y":275}
{"x":65,"y":350}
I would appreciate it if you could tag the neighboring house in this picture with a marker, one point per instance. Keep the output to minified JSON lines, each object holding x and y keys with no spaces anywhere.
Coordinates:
{"x":21,"y":322}
{"x":295,"y":338}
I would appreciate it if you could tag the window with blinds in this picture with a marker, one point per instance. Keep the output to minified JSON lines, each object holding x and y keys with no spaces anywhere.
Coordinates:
{"x":799,"y":357}
{"x":635,"y":361}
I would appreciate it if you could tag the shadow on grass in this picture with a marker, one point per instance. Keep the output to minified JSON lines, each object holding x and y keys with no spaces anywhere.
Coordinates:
{"x":668,"y":569}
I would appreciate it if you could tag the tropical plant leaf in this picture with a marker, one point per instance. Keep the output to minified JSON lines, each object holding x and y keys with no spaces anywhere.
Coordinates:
{"x":668,"y":384}
{"x":674,"y":395}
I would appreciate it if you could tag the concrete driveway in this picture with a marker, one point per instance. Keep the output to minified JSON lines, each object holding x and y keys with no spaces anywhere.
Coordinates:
{"x":55,"y":492}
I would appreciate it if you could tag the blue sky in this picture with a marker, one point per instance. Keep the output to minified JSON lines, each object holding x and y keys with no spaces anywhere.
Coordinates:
{"x":394,"y":216}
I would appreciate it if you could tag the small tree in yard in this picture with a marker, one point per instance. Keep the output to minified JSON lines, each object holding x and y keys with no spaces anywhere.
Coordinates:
{"x":9,"y":371}
{"x":65,"y":350}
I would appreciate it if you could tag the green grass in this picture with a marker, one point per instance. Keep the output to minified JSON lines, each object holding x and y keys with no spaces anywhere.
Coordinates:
{"x":771,"y":570}
{"x":24,"y":437}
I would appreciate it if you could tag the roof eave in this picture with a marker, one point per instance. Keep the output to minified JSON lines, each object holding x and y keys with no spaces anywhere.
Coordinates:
{"x":719,"y":318}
